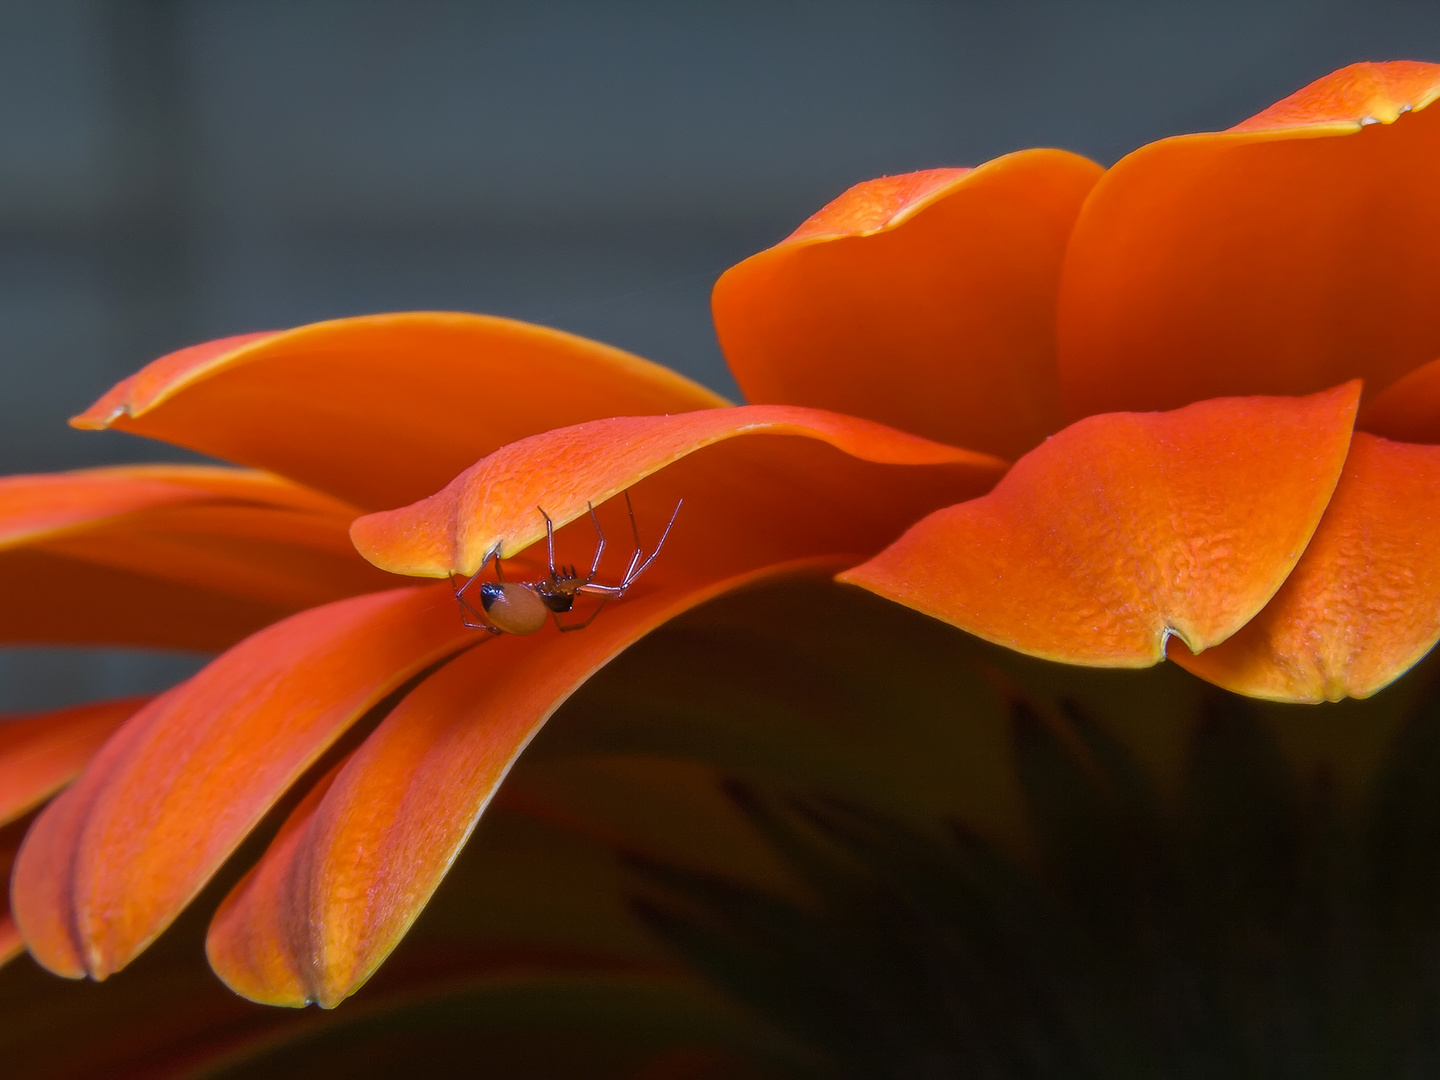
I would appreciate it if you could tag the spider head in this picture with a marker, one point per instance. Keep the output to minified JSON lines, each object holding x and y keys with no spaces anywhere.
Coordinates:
{"x":558,"y":591}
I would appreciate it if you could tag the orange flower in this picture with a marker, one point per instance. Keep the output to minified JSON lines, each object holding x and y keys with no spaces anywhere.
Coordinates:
{"x":1247,"y":280}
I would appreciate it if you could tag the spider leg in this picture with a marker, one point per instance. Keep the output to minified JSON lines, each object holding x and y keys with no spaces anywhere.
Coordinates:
{"x":466,"y":607}
{"x":591,"y":589}
{"x":639,"y":549}
{"x":461,"y":590}
{"x":479,"y":622}
{"x":635,"y":572}
{"x":636,"y":568}
{"x":549,"y":540}
{"x":580,"y":625}
{"x":600,"y":547}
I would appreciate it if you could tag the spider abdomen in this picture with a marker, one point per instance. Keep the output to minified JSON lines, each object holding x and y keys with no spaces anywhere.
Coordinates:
{"x":513,"y":607}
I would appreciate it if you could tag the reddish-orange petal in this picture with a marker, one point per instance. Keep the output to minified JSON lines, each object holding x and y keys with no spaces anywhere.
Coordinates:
{"x":111,"y":862}
{"x":251,"y":936}
{"x":1363,"y":603}
{"x":494,"y":504}
{"x":11,"y":944}
{"x":284,"y":558}
{"x":1409,"y":411}
{"x":1351,"y":98}
{"x":1288,"y":254}
{"x":41,"y":885}
{"x":354,"y":866}
{"x":57,"y":601}
{"x":926,"y":301}
{"x":43,"y":506}
{"x":40,"y":754}
{"x":1126,"y":528}
{"x":181,"y":556}
{"x":382,"y":409}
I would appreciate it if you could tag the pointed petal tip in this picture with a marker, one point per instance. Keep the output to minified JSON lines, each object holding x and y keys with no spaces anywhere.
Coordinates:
{"x":872,"y":205}
{"x":349,"y":406}
{"x":11,"y":944}
{"x":142,"y":391}
{"x":103,"y":413}
{"x":1353,"y":97}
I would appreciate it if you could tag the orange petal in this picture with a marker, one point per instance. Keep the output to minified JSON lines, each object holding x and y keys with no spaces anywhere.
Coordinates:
{"x":41,"y":885}
{"x":112,"y":861}
{"x":185,"y":556}
{"x":285,"y":558}
{"x":1352,"y":98}
{"x":356,"y":863}
{"x":1288,"y":254}
{"x":1363,"y":604}
{"x":249,"y":944}
{"x":383,"y":409}
{"x":926,"y":301}
{"x":494,"y":503}
{"x":39,"y":755}
{"x":46,"y":505}
{"x":1126,"y":528}
{"x":1409,"y":411}
{"x":58,"y":601}
{"x":11,"y":944}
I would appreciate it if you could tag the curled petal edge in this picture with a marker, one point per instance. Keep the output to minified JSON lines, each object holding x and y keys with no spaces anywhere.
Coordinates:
{"x":1362,"y":606}
{"x":491,"y":507}
{"x":1126,"y":529}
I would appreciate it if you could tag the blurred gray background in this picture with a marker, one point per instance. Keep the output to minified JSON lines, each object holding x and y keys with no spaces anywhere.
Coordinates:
{"x":173,"y":171}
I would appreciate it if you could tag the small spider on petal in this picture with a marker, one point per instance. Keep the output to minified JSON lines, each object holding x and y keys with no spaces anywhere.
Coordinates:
{"x":521,"y":607}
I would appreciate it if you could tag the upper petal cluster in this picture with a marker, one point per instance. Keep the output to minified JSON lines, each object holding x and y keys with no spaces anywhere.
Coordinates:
{"x":1288,"y":255}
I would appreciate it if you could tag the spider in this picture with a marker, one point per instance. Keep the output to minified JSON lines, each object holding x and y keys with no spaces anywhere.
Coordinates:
{"x":521,"y":607}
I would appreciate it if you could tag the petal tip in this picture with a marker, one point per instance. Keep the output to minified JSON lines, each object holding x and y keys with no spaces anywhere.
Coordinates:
{"x":157,"y":380}
{"x":872,"y":205}
{"x":1354,"y":97}
{"x":102,"y":414}
{"x":11,"y":944}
